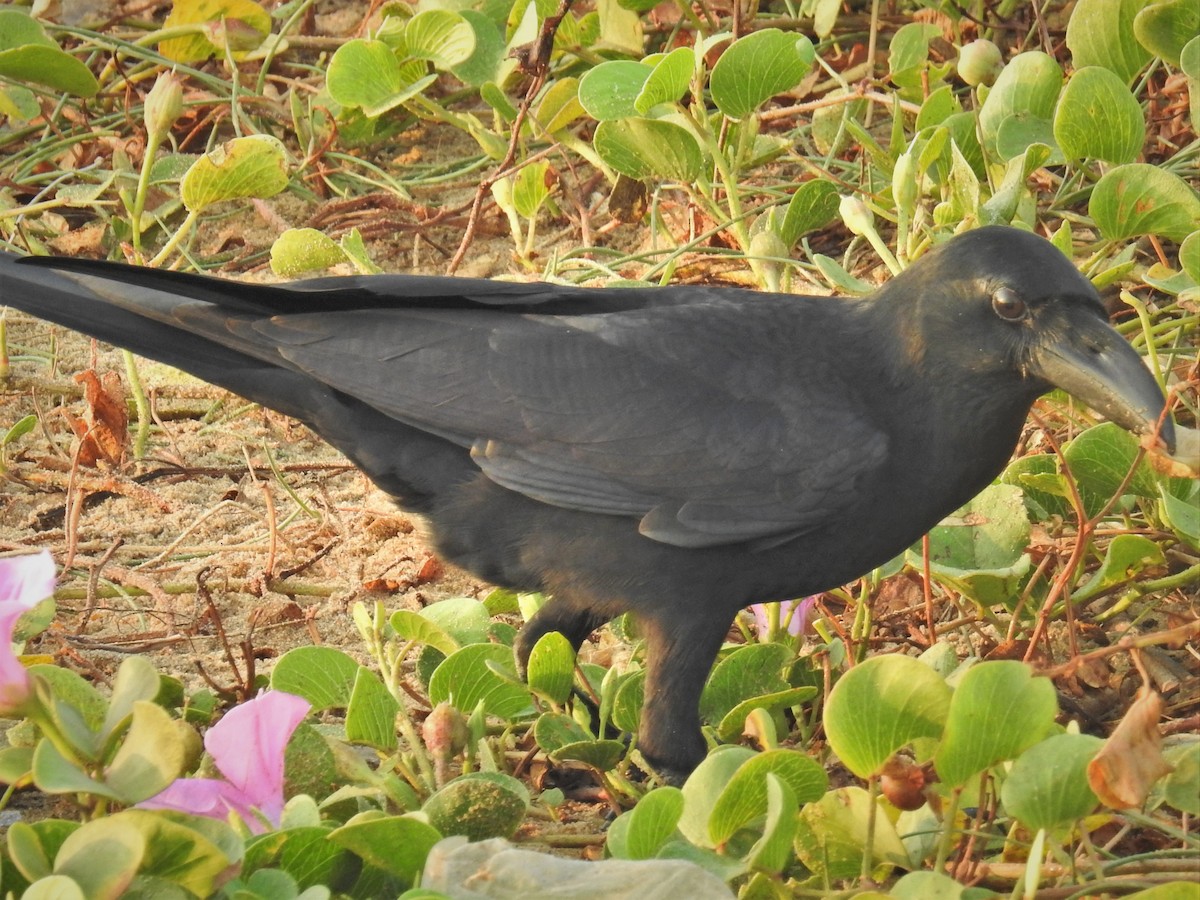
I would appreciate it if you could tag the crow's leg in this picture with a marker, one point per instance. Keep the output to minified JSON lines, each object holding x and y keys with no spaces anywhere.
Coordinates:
{"x":561,"y":615}
{"x":680,"y":650}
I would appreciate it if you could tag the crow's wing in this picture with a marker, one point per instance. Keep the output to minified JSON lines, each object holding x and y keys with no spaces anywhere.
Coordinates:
{"x":698,"y":417}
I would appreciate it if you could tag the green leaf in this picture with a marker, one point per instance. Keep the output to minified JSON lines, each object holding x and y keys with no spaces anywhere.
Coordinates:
{"x":1100,"y":458}
{"x":241,"y":25}
{"x":927,"y":886}
{"x":1165,"y":28}
{"x":71,"y":690}
{"x":443,"y":37}
{"x":832,"y":834}
{"x":628,"y":696}
{"x":773,"y":851}
{"x":136,"y":680}
{"x":479,"y":806}
{"x":746,"y":672}
{"x":251,"y":166}
{"x":1139,"y":198}
{"x":668,"y":80}
{"x":600,"y":755}
{"x":831,"y":270}
{"x":559,"y":105}
{"x":371,"y":713}
{"x":1100,"y":33}
{"x":554,"y":730}
{"x":465,"y":619}
{"x":653,"y":822}
{"x":907,"y":700}
{"x":1182,"y":515}
{"x":551,"y":668}
{"x":703,"y":789}
{"x":530,"y":190}
{"x":1026,"y":91}
{"x":48,"y":66}
{"x":55,"y":774}
{"x":1047,"y":786}
{"x":647,"y":148}
{"x":1099,"y":118}
{"x":987,"y":701}
{"x":301,"y":250}
{"x":1037,"y":476}
{"x":1181,"y":788}
{"x":321,"y":675}
{"x":757,"y":67}
{"x":464,"y":680}
{"x":155,"y":752}
{"x":367,"y":75}
{"x":484,"y":62}
{"x":179,"y":848}
{"x":1126,"y":556}
{"x":610,"y":90}
{"x":744,"y":798}
{"x":102,"y":857}
{"x":306,"y":853}
{"x":733,"y":723}
{"x":813,"y":206}
{"x":54,"y":887}
{"x":411,"y":626}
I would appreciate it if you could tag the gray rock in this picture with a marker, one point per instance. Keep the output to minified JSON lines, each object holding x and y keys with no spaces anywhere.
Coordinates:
{"x":496,"y":870}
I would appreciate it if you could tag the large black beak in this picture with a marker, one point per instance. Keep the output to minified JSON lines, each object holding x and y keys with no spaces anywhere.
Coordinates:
{"x":1089,"y":360}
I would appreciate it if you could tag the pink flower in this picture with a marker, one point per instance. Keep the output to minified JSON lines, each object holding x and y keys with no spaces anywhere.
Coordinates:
{"x":802,"y":612}
{"x":247,"y":746}
{"x":25,"y":581}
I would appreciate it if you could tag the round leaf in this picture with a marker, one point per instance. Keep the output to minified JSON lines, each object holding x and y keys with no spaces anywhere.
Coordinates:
{"x":1048,"y":785}
{"x":652,"y":822}
{"x":668,"y":80}
{"x":1028,"y":87}
{"x":321,"y":675}
{"x":833,"y":832}
{"x":882,"y":705}
{"x":757,"y":67}
{"x":465,"y":619}
{"x":251,"y":166}
{"x":744,"y":799}
{"x":1098,"y":118}
{"x":551,"y":668}
{"x":1139,"y":198}
{"x":987,"y":701}
{"x":443,"y":37}
{"x":1100,"y":33}
{"x":649,"y":148}
{"x":396,"y":844}
{"x":464,"y":680}
{"x":300,"y":250}
{"x":366,"y":75}
{"x":478,"y":806}
{"x":703,"y":789}
{"x":49,"y":66}
{"x":247,"y":19}
{"x":1164,"y":28}
{"x":611,"y":89}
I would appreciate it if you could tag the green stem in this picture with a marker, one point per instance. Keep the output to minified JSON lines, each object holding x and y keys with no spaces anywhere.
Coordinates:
{"x":142,"y":404}
{"x":153,"y":142}
{"x":176,"y":239}
{"x":947,"y":840}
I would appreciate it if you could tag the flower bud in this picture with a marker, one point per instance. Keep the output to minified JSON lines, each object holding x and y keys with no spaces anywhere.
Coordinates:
{"x":164,"y":104}
{"x":904,"y":182}
{"x":980,"y":62}
{"x":857,"y":215}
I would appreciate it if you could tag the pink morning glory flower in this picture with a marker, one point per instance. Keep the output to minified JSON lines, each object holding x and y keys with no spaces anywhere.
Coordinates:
{"x":247,"y":747}
{"x":802,"y":612}
{"x":25,"y":581}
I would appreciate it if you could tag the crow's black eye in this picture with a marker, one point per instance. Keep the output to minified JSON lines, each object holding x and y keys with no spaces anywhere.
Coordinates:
{"x":1008,"y":305}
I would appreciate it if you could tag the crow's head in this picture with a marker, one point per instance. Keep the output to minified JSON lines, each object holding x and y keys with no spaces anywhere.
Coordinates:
{"x":998,"y":301}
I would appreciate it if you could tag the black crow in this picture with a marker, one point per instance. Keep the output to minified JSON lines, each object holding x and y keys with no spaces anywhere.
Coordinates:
{"x":677,"y":452}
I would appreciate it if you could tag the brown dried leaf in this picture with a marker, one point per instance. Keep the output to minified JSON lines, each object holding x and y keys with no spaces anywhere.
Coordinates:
{"x":103,"y":430}
{"x":1131,"y":760}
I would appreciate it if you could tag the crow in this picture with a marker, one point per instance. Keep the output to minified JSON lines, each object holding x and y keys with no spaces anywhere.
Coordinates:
{"x":675,"y":452}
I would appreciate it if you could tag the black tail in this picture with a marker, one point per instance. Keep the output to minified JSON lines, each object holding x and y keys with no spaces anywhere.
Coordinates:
{"x":197,"y":324}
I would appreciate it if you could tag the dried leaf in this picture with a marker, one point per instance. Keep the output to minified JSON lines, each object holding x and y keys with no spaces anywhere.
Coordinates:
{"x":103,"y":430}
{"x":1131,"y":760}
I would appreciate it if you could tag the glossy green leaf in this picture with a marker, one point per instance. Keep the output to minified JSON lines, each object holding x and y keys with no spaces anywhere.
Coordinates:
{"x":610,"y":90}
{"x":102,"y":857}
{"x":251,"y":166}
{"x":757,"y":67}
{"x":412,"y":626}
{"x":989,"y":698}
{"x":46,"y":65}
{"x":1099,"y":118}
{"x":1165,"y":28}
{"x":1100,"y":33}
{"x":551,"y":668}
{"x":733,"y":723}
{"x":627,"y":701}
{"x":1100,"y":458}
{"x":396,"y":844}
{"x":529,"y":189}
{"x":191,"y":852}
{"x":600,"y":755}
{"x":1139,"y":198}
{"x":321,"y":675}
{"x":443,"y":37}
{"x":773,"y":851}
{"x":649,"y":148}
{"x":1182,"y":514}
{"x":1125,"y":557}
{"x":301,"y":250}
{"x":1047,"y":786}
{"x":907,"y":700}
{"x":832,"y":834}
{"x":927,"y":886}
{"x":136,"y":680}
{"x":155,"y":752}
{"x":464,"y":680}
{"x":484,"y":62}
{"x":1026,"y":91}
{"x":367,"y":75}
{"x":479,"y":806}
{"x":55,"y":774}
{"x":813,"y":206}
{"x":744,"y":798}
{"x":703,"y":789}
{"x":668,"y":81}
{"x":653,"y":822}
{"x":748,"y":671}
{"x":1181,"y":788}
{"x":465,"y":619}
{"x":371,"y":713}
{"x":559,"y":105}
